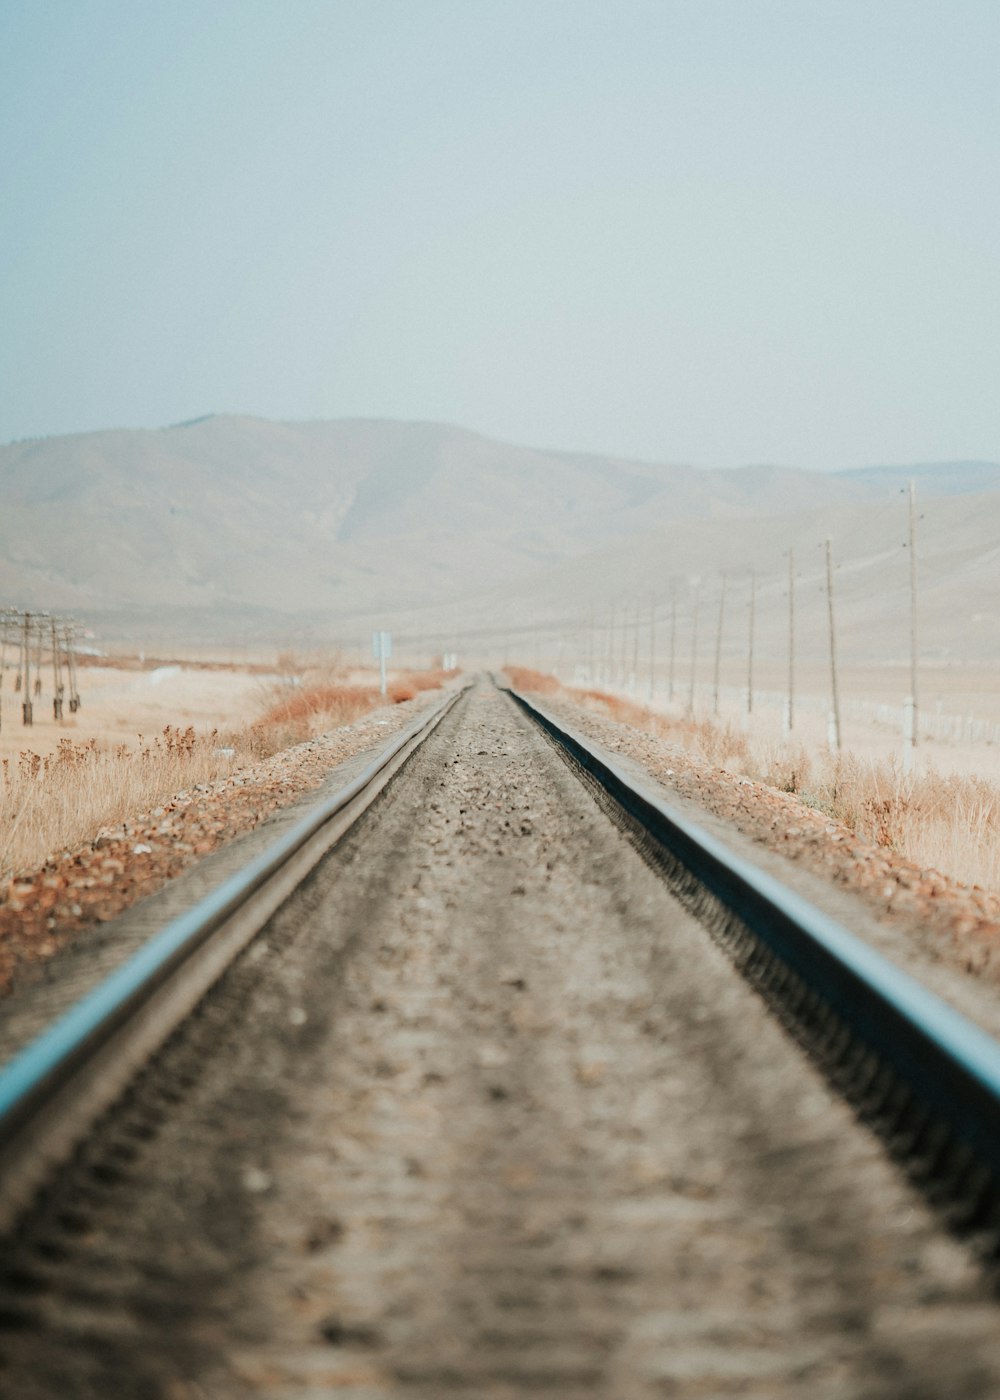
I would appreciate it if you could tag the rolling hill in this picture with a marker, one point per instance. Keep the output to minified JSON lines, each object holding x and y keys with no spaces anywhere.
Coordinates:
{"x":239,"y":524}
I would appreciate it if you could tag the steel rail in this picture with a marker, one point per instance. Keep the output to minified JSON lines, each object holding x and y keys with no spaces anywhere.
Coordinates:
{"x":948,"y":1067}
{"x":60,"y":1083}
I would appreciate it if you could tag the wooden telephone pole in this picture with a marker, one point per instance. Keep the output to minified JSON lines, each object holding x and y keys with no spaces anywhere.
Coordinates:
{"x":790,"y":700}
{"x":634,"y":673}
{"x":835,"y":712}
{"x":27,"y":710}
{"x":694,"y":648}
{"x":753,"y":608}
{"x":910,"y":707}
{"x":673,"y":641}
{"x":718,"y":648}
{"x":652,"y":646}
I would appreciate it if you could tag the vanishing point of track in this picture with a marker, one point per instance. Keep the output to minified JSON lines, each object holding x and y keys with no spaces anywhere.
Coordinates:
{"x":471,"y":1106}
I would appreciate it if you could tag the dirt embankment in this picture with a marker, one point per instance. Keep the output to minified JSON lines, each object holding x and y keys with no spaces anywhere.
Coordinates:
{"x":951,"y":922}
{"x":94,"y":881}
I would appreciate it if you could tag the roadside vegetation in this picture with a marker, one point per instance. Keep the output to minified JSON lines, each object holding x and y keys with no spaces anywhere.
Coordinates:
{"x":950,"y":823}
{"x":322,"y":701}
{"x":57,"y":802}
{"x":53,"y":802}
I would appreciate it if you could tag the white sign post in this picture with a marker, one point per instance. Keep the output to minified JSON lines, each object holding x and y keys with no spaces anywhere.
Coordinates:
{"x":382,"y":650}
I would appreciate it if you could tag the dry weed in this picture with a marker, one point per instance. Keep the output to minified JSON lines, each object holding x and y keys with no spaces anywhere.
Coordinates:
{"x":950,"y":823}
{"x":524,"y":678}
{"x":324,"y":700}
{"x":947,"y":823}
{"x":50,"y":803}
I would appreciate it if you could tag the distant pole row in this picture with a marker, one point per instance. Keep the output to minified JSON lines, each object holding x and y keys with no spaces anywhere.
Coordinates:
{"x":608,"y":644}
{"x":37,"y":639}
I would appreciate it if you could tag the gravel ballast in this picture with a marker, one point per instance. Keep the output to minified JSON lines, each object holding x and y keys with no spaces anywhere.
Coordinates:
{"x":485,"y":1113}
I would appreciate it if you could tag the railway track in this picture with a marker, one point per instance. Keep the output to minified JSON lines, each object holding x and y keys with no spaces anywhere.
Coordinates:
{"x":58,"y":1085}
{"x":450,"y":1095}
{"x":924,"y":1076}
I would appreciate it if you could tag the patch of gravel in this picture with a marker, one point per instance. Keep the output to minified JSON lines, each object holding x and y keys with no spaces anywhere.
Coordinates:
{"x":940,"y":929}
{"x":486,"y":1115}
{"x":72,"y":897}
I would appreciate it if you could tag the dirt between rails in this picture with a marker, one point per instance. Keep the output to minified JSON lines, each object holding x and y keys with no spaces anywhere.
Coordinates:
{"x":486,"y":1115}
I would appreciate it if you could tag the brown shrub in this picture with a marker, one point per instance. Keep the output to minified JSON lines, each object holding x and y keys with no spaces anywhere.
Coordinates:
{"x":617,"y":708}
{"x":306,"y":710}
{"x":58,"y":801}
{"x":341,"y":703}
{"x":524,"y":678}
{"x":786,"y":768}
{"x":322,"y":703}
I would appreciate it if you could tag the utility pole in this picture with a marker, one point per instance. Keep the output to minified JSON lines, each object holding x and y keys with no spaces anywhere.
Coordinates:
{"x":57,"y":694}
{"x":40,"y":632}
{"x":634,"y":677}
{"x":910,"y":707}
{"x":26,"y":707}
{"x":834,"y":734}
{"x":790,"y":702}
{"x":610,"y":677}
{"x":694,"y":645}
{"x":382,"y":650}
{"x":652,"y":645}
{"x":673,"y":639}
{"x":718,"y":646}
{"x":74,"y":694}
{"x":753,"y":604}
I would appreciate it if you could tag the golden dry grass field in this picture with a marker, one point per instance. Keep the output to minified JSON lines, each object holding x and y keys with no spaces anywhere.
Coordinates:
{"x":118,"y":704}
{"x":145,"y":734}
{"x":955,"y":702}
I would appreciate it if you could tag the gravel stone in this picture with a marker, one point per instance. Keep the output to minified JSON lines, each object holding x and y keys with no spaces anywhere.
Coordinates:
{"x":545,"y":1145}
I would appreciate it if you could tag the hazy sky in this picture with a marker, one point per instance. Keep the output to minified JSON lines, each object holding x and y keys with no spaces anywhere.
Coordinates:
{"x":719,"y":231}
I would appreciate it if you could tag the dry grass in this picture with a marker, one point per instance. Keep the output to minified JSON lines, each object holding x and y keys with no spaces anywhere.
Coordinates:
{"x":307,"y":710}
{"x":413,"y":683}
{"x":325,"y":700}
{"x":523,"y":678}
{"x":56,"y":802}
{"x":948,"y":823}
{"x":719,"y":745}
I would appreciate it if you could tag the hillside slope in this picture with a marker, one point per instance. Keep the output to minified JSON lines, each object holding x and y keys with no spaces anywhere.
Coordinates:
{"x":239,"y":516}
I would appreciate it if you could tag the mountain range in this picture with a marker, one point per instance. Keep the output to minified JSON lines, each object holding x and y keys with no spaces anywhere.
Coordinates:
{"x":237,"y":526}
